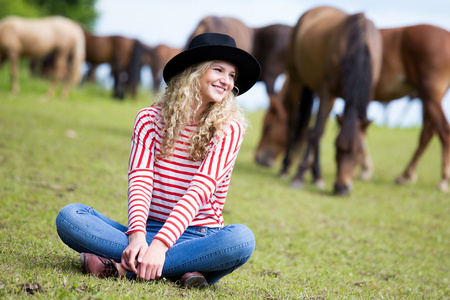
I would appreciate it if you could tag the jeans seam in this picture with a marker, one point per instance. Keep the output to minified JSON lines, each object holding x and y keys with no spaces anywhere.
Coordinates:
{"x":87,"y":234}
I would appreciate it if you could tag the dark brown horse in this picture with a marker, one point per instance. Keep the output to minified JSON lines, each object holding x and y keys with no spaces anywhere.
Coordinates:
{"x":332,"y":54}
{"x":267,"y":44}
{"x":416,"y":63}
{"x":116,"y":51}
{"x":38,"y":38}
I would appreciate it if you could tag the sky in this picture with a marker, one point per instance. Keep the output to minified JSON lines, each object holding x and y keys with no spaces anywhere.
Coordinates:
{"x":171,"y":22}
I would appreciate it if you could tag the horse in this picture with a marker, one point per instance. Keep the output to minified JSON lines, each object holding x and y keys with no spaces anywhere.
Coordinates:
{"x":154,"y":57}
{"x":38,"y":38}
{"x":267,"y":44}
{"x":116,"y":51}
{"x":332,"y":54}
{"x":415,"y":63}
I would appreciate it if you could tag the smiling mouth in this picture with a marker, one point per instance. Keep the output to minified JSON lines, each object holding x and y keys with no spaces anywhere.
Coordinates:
{"x":219,"y":88}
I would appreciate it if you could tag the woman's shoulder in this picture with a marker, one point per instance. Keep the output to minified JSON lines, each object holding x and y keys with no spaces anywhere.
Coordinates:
{"x":150,"y":113}
{"x":233,"y":127}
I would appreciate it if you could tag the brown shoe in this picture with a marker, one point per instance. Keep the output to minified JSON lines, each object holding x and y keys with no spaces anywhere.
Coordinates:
{"x":193,"y":280}
{"x":98,"y":266}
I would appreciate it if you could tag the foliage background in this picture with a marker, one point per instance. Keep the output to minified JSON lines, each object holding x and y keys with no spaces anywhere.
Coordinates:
{"x":82,"y":11}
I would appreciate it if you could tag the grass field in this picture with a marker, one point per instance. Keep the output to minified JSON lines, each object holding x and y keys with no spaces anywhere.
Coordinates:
{"x":384,"y":241}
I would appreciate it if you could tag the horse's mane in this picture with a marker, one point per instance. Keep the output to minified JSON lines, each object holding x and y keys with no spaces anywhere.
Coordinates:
{"x":356,"y":76}
{"x":356,"y":67}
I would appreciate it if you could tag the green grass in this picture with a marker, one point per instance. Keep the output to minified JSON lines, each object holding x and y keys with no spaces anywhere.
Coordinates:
{"x":384,"y":241}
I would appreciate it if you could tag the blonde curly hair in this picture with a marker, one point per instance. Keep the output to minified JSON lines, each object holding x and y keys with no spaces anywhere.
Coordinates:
{"x":179,"y":103}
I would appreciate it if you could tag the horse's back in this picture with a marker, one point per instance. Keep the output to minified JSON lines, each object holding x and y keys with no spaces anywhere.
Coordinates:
{"x":37,"y":37}
{"x":123,"y":49}
{"x":312,"y":42}
{"x":412,"y":56}
{"x":230,"y":26}
{"x":271,"y":41}
{"x":429,"y":48}
{"x":322,"y":37}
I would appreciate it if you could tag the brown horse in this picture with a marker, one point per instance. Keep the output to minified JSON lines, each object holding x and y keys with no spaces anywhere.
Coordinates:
{"x":37,"y":38}
{"x":332,"y":54}
{"x":267,"y":44}
{"x":116,"y":51}
{"x":416,"y":63}
{"x":154,"y":57}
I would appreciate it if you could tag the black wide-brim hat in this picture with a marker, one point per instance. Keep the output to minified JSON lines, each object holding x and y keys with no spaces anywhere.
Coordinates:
{"x":216,"y":46}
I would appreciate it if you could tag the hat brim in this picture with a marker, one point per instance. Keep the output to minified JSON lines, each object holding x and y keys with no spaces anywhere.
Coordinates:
{"x":247,"y":66}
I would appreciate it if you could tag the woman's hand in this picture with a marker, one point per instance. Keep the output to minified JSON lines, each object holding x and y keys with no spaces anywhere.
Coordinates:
{"x":150,"y":267}
{"x":134,"y":252}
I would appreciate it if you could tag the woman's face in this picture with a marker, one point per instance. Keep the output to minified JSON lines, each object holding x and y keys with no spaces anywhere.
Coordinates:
{"x":217,"y":82}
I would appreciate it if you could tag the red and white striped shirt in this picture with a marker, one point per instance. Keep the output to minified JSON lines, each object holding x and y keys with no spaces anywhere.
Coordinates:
{"x":178,"y":191}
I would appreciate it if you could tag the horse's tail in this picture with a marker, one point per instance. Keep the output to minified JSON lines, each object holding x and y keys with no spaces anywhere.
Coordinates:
{"x":134,"y":69}
{"x":78,"y":56}
{"x":356,"y":74}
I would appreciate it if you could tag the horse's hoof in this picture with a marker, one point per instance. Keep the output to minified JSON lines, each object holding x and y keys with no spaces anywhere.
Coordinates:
{"x":365,"y":175}
{"x":297,"y":184}
{"x":406,"y":179}
{"x":443,"y":186}
{"x":283,"y":175}
{"x":320,"y":184}
{"x":342,"y":190}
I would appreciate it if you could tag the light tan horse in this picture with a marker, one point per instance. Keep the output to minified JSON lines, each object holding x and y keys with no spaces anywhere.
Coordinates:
{"x":37,"y":38}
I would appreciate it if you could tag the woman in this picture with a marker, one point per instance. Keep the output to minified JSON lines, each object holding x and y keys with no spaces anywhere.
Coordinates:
{"x":182,"y":155}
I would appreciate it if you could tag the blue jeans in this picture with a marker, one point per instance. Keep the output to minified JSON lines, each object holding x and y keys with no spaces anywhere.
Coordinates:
{"x":215,"y":252}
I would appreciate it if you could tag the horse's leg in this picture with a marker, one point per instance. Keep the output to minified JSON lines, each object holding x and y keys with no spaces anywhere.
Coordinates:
{"x":434,"y":120}
{"x":65,"y":75}
{"x":58,"y":74}
{"x":444,"y":135}
{"x":311,"y":156}
{"x":269,"y":81}
{"x":316,"y":170}
{"x":367,"y":164}
{"x":156,"y":74}
{"x":291,"y":98}
{"x":14,"y":59}
{"x":90,"y":77}
{"x":120,"y":80}
{"x":409,"y":175}
{"x":442,"y":127}
{"x":3,"y":58}
{"x":287,"y":160}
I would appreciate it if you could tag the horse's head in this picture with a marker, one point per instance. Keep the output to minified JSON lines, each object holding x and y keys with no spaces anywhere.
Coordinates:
{"x":350,"y":151}
{"x":274,"y":135}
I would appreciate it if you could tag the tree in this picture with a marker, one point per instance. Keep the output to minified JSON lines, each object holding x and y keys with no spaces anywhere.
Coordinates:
{"x":82,"y":11}
{"x":19,"y":8}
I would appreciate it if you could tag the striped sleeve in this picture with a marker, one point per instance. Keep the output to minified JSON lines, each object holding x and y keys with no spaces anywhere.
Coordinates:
{"x":213,"y":170}
{"x":140,"y":170}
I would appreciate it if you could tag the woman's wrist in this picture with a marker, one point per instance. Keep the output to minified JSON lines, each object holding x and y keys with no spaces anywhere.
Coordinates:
{"x":158,"y":244}
{"x":138,"y":235}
